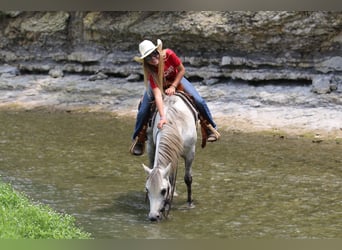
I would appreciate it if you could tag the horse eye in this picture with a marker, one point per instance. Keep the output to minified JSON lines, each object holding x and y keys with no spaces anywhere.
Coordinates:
{"x":163,"y":192}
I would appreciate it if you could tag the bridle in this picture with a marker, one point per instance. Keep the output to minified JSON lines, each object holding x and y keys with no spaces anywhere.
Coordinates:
{"x":166,"y":203}
{"x":168,"y":197}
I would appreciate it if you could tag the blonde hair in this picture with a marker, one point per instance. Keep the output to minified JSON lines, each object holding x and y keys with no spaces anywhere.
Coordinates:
{"x":159,"y":77}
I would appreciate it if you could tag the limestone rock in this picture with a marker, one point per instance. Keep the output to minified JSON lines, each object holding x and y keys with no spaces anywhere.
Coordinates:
{"x":247,"y":45}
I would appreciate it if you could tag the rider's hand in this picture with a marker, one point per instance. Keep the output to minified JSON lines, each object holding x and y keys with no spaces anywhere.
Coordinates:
{"x":171,"y":90}
{"x":161,"y":122}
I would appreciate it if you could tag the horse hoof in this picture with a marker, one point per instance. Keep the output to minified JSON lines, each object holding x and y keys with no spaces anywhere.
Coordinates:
{"x":191,"y":205}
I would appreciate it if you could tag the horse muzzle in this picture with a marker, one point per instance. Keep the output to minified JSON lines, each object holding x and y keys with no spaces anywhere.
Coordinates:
{"x":155,"y":216}
{"x":163,"y":213}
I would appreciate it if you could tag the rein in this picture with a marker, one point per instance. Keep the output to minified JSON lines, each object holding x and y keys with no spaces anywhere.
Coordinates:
{"x":167,"y":202}
{"x":188,"y":101}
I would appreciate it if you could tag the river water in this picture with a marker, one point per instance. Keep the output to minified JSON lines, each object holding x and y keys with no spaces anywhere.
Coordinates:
{"x":247,"y":185}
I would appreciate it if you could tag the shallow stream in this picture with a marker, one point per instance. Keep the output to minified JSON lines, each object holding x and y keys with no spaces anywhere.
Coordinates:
{"x":244,"y":186}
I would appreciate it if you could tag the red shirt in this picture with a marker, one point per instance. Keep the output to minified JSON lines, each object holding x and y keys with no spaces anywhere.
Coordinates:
{"x":171,"y":62}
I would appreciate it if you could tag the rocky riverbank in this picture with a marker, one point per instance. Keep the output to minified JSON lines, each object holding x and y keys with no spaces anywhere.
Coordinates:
{"x":291,"y":108}
{"x":273,"y":70}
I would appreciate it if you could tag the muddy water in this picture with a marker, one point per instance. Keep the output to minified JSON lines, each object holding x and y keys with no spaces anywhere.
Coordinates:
{"x":245,"y":185}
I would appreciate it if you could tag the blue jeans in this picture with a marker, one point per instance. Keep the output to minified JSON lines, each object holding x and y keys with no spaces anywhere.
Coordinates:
{"x":145,"y":106}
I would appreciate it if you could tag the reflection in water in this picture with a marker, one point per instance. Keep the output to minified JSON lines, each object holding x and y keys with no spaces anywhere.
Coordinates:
{"x":245,"y":185}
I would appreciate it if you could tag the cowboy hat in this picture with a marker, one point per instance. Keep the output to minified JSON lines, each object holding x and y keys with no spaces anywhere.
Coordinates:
{"x":146,"y":47}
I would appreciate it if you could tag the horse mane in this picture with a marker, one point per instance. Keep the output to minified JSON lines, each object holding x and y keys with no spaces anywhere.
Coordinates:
{"x":171,"y":142}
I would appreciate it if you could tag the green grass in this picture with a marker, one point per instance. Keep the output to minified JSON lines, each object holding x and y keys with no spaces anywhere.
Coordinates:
{"x":21,"y":219}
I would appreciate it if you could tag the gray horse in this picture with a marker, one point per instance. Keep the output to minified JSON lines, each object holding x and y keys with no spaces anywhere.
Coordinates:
{"x":165,"y":146}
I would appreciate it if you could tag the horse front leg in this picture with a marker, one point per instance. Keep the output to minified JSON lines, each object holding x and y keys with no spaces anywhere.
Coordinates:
{"x":188,"y":180}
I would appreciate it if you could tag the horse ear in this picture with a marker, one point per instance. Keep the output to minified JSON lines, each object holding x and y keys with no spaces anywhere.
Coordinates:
{"x":166,"y":170}
{"x":147,"y":169}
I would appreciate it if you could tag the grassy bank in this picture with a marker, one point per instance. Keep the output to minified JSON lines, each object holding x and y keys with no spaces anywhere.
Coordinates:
{"x":20,"y":219}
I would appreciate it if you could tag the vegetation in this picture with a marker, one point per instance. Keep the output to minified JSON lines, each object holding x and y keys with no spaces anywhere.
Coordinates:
{"x":20,"y":219}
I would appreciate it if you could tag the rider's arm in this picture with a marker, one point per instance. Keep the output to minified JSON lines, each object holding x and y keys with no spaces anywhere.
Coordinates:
{"x":172,"y":89}
{"x":160,"y":106}
{"x":180,"y":74}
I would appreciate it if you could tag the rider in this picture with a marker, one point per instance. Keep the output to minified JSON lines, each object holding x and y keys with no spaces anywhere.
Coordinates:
{"x":164,"y":76}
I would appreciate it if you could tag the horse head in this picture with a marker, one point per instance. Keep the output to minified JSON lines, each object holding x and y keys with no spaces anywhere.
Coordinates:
{"x":158,"y":188}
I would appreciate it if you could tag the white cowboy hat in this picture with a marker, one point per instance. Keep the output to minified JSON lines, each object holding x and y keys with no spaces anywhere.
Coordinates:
{"x":146,"y":47}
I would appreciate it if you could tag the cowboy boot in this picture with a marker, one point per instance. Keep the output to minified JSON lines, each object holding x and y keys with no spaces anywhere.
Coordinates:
{"x":138,"y":145}
{"x":213,"y":136}
{"x":209,"y":133}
